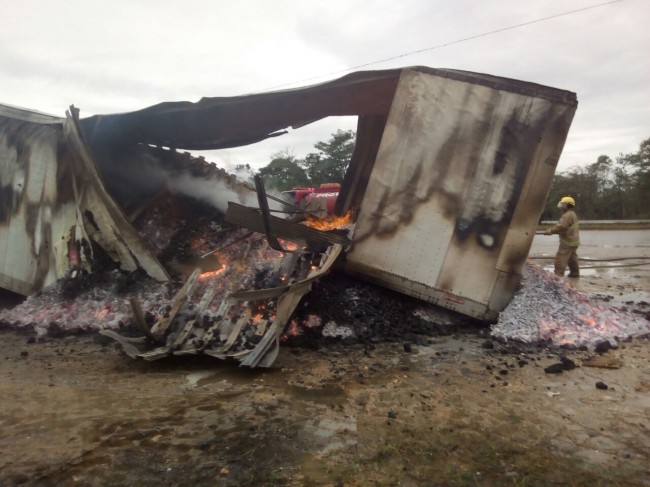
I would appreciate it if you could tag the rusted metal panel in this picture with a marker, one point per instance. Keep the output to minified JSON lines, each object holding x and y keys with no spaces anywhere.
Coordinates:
{"x":457,"y":188}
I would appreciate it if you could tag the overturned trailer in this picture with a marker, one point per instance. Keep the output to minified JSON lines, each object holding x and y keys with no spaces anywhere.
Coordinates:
{"x":445,"y":188}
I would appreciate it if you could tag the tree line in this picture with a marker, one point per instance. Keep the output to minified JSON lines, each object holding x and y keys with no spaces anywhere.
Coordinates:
{"x":608,"y":189}
{"x":327,"y":165}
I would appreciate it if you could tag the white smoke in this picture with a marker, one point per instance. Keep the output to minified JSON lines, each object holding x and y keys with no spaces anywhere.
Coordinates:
{"x":217,"y":192}
{"x":131,"y":177}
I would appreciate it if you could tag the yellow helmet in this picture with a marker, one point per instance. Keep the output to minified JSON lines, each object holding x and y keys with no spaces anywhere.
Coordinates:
{"x":568,"y":199}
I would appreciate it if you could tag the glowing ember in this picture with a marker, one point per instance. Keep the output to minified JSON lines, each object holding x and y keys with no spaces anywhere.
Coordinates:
{"x":289,"y":245}
{"x":330,"y":223}
{"x":547,"y":308}
{"x":293,"y":329}
{"x":212,"y":274}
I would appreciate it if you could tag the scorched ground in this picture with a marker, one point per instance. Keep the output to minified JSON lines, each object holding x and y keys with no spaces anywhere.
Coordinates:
{"x":422,"y":397}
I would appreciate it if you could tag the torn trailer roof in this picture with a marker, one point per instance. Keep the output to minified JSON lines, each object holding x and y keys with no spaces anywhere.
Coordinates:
{"x":446,"y":184}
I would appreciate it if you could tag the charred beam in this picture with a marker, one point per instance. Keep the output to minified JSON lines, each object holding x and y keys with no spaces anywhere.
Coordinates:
{"x":266,"y":214}
{"x":138,"y":315}
{"x":159,"y":329}
{"x":252,"y":219}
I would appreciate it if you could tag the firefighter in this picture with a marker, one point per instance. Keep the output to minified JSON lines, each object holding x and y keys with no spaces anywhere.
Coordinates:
{"x":567,"y":228}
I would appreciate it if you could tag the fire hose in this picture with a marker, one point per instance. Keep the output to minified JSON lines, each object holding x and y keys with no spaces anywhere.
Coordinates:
{"x":645,"y":261}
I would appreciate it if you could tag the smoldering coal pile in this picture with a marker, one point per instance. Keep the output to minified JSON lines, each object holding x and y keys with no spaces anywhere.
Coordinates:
{"x":547,"y":309}
{"x":342,"y":309}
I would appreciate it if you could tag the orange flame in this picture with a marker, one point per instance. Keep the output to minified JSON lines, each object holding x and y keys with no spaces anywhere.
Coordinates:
{"x":330,"y":223}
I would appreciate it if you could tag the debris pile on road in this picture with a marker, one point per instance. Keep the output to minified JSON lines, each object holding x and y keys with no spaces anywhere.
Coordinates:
{"x":547,"y":309}
{"x":100,"y":300}
{"x":225,"y":309}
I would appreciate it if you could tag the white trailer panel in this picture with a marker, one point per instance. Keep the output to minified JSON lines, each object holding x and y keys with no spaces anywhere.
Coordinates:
{"x":457,"y":188}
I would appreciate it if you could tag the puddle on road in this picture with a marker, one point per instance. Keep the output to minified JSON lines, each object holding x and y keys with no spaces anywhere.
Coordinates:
{"x":327,"y":395}
{"x":331,"y":435}
{"x":621,"y":282}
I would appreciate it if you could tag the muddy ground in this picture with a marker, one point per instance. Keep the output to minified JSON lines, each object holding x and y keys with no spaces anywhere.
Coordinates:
{"x":452,"y":409}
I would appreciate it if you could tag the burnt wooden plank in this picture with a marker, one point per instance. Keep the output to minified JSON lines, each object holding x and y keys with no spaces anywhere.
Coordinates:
{"x":189,"y":326}
{"x":181,"y":298}
{"x":252,"y":219}
{"x":138,"y":315}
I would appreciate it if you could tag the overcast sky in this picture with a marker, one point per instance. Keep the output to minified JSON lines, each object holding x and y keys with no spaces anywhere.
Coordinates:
{"x":111,"y":56}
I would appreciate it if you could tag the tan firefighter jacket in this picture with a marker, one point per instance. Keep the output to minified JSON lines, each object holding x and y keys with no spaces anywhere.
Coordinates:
{"x":568,"y":228}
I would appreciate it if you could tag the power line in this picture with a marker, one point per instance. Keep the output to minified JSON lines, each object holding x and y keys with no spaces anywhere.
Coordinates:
{"x":439,"y":46}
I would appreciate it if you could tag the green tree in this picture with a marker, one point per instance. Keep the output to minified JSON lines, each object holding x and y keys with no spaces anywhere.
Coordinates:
{"x":329,"y":164}
{"x":562,"y":185}
{"x":606,"y":189}
{"x":637,"y":166}
{"x":284,"y":172}
{"x":621,"y":199}
{"x":579,"y":182}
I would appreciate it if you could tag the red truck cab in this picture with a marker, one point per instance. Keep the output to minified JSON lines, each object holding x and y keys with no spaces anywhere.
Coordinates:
{"x":314,"y":198}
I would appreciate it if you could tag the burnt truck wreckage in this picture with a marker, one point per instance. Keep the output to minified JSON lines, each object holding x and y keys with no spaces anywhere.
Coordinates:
{"x":441,"y":200}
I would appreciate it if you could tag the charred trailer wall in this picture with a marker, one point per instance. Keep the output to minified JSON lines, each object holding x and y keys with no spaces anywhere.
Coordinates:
{"x":459,"y":183}
{"x":54,"y":209}
{"x":35,"y":221}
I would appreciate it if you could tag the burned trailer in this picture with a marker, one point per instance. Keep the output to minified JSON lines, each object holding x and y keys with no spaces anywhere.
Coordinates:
{"x":446,"y":184}
{"x":448,"y":208}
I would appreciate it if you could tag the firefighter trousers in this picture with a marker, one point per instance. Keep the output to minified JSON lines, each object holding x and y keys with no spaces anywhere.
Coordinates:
{"x":567,"y":255}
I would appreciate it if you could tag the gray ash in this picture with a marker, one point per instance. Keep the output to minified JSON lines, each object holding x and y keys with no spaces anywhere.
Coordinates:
{"x":548,"y":309}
